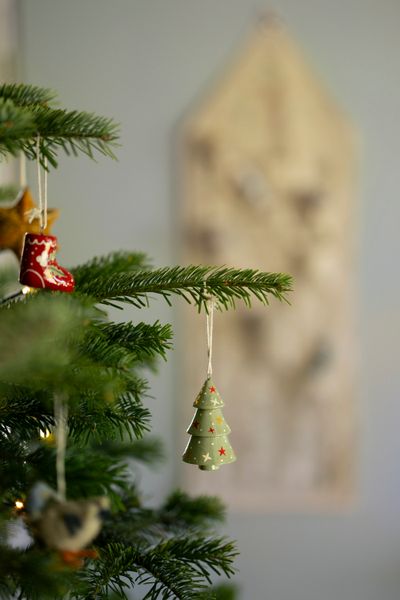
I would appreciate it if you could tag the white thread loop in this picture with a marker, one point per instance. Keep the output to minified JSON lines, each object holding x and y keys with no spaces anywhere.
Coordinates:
{"x":61,"y":418}
{"x":42,"y":197}
{"x":33,"y":214}
{"x":210,"y":328}
{"x":45,"y":194}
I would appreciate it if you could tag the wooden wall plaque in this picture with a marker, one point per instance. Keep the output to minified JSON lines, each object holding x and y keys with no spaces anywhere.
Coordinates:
{"x":268,"y":176}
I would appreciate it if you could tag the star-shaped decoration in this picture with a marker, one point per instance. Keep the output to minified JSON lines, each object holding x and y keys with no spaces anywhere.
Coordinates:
{"x":214,"y":401}
{"x":219,"y":420}
{"x":212,"y":390}
{"x":211,"y":430}
{"x":206,"y":457}
{"x":196,"y":424}
{"x":222,"y":451}
{"x":14,"y":222}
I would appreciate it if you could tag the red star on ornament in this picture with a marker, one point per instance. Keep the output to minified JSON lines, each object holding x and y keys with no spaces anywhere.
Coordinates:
{"x":196,"y":424}
{"x":222,"y":451}
{"x":212,"y":390}
{"x":211,"y":430}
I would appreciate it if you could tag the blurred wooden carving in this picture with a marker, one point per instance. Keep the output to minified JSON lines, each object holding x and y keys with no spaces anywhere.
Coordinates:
{"x":268,"y":183}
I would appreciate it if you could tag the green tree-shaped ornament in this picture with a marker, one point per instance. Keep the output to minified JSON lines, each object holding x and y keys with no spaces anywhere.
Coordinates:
{"x":209,"y":447}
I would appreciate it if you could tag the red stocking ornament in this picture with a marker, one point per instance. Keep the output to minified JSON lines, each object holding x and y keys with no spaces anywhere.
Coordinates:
{"x":39,"y":267}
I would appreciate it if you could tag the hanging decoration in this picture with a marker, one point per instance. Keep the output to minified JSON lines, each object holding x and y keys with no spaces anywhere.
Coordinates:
{"x":67,"y":526}
{"x":39,"y":267}
{"x":209,"y":446}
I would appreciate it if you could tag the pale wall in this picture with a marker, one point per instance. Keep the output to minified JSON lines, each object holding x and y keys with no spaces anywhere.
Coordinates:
{"x":144,"y":62}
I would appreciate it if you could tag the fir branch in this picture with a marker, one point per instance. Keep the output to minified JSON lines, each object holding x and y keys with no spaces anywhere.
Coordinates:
{"x":53,"y":365}
{"x":123,"y":344}
{"x":119,"y":566}
{"x":96,"y":420}
{"x":13,"y":465}
{"x":16,"y":125}
{"x":90,"y":474}
{"x":71,"y":131}
{"x":32,"y":575}
{"x":175,"y":568}
{"x":23,"y":94}
{"x":178,"y":516}
{"x":185,"y":511}
{"x":24,"y":115}
{"x":143,"y":341}
{"x":45,"y":333}
{"x":205,"y":555}
{"x":101,"y":267}
{"x":148,"y":450}
{"x":223,"y":591}
{"x":24,"y":412}
{"x":34,"y":331}
{"x":193,"y":283}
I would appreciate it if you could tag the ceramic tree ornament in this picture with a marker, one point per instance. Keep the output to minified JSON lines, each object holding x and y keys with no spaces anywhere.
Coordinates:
{"x":209,"y":446}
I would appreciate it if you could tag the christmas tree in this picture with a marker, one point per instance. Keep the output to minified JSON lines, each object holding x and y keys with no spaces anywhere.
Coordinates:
{"x":66,"y":369}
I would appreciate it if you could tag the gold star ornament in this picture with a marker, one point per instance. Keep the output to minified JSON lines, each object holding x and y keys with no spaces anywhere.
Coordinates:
{"x":16,"y":220}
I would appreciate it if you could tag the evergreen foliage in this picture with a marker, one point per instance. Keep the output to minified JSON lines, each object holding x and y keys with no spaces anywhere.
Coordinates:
{"x":54,"y":343}
{"x":27,"y":111}
{"x":26,"y":95}
{"x":193,"y":283}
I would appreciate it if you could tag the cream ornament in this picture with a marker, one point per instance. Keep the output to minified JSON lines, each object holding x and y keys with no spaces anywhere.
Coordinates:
{"x":67,"y":526}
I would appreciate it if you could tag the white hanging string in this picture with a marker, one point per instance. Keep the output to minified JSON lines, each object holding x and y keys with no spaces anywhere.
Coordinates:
{"x":42,"y":211}
{"x":45,"y":194}
{"x":61,"y":417}
{"x":39,"y":180}
{"x":210,"y":328}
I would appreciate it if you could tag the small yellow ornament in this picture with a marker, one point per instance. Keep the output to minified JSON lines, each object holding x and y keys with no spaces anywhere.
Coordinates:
{"x":17,"y":220}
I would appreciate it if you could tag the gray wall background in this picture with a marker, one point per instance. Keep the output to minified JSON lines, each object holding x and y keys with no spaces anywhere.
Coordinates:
{"x":144,"y":62}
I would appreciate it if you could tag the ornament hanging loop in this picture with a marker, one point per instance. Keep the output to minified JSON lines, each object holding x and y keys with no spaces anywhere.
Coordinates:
{"x":210,"y":307}
{"x":42,"y":196}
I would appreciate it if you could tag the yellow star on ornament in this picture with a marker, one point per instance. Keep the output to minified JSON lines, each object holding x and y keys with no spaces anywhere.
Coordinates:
{"x":14,"y":222}
{"x":219,"y":420}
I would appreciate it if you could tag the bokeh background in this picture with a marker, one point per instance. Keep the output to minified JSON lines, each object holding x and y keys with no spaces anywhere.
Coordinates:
{"x":144,"y":62}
